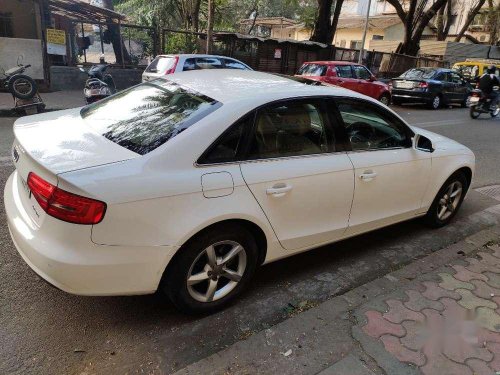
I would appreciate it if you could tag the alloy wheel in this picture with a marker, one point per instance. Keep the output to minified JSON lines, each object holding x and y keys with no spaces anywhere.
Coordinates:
{"x":22,"y":86}
{"x":436,"y":102}
{"x":384,"y":100}
{"x":216,"y":271}
{"x":448,"y":203}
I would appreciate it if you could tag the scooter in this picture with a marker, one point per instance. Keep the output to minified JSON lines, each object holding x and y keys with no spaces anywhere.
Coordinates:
{"x":99,"y":84}
{"x":479,"y":103}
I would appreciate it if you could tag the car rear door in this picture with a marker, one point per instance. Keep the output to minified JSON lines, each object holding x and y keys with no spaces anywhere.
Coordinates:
{"x":460,"y":89}
{"x":298,"y":174}
{"x":447,"y":87}
{"x":390,"y":175}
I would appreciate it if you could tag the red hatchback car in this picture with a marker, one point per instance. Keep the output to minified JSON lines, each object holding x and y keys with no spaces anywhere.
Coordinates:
{"x":346,"y":74}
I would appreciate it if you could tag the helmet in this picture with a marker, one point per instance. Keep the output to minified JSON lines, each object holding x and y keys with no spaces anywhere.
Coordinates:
{"x":491,"y":69}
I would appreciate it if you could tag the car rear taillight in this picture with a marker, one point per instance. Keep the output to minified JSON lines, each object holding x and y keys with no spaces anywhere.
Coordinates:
{"x":423,"y":85}
{"x":172,"y":69}
{"x":64,"y":205}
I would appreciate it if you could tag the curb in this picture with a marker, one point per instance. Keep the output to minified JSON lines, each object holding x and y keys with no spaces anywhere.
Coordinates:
{"x":320,"y":340}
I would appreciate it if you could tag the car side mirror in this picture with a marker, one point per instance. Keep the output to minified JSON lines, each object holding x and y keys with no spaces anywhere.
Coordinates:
{"x":422,"y":143}
{"x":372,"y":78}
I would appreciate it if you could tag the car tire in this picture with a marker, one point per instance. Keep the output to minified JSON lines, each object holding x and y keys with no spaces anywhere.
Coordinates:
{"x":436,"y":102}
{"x":385,"y":99}
{"x":446,"y":205}
{"x":193,"y":262}
{"x":474,"y":113}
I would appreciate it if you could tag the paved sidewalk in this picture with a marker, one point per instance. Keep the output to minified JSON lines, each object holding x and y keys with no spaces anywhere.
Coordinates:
{"x":53,"y":100}
{"x":439,"y":315}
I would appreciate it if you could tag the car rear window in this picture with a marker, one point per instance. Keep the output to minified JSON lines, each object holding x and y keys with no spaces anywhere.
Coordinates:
{"x":161,"y":64}
{"x":146,"y":116}
{"x":315,"y":70}
{"x":197,"y":63}
{"x":419,"y":73}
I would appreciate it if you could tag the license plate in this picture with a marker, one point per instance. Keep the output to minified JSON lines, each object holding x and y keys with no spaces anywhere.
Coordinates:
{"x":474,"y":99}
{"x":405,"y":85}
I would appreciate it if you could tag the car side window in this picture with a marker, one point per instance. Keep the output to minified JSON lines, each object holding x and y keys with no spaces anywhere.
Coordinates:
{"x":226,"y":148}
{"x":231,"y":64}
{"x":290,"y":128}
{"x":202,"y":63}
{"x":455,"y":78}
{"x":344,"y":71}
{"x":369,"y":127}
{"x":442,"y":76}
{"x":360,"y":72}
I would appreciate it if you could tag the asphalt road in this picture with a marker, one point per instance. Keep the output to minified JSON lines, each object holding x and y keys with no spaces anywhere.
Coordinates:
{"x":46,"y":331}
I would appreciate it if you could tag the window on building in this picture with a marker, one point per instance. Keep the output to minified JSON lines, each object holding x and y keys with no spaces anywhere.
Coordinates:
{"x":342,"y":43}
{"x":378,"y":37}
{"x":6,"y":25}
{"x":355,"y":44}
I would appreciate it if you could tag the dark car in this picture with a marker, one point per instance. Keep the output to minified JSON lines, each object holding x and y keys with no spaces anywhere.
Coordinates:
{"x":432,"y":86}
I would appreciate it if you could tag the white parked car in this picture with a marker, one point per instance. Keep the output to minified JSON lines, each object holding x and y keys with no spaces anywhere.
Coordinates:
{"x":189,"y":184}
{"x":169,"y":64}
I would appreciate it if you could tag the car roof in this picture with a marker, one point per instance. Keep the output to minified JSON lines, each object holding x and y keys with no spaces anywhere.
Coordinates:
{"x":230,"y":85}
{"x":188,"y":55}
{"x":332,"y":62}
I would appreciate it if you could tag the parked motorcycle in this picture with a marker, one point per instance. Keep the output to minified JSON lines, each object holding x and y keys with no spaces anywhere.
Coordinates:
{"x":479,"y":104}
{"x":19,"y":85}
{"x":99,"y":84}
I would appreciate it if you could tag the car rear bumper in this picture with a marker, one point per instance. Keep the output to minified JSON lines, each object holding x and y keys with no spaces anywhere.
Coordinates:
{"x":411,"y":96}
{"x":64,"y":255}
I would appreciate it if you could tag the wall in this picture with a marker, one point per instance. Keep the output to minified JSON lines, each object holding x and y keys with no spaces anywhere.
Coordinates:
{"x":355,"y":34}
{"x":71,"y":78}
{"x":295,"y":33}
{"x":30,"y":49}
{"x":24,"y":18}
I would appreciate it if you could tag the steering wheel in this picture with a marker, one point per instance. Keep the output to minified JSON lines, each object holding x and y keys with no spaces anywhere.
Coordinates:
{"x":361,"y":132}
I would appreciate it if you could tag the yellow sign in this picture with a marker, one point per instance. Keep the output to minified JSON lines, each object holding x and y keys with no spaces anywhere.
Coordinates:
{"x":56,"y":36}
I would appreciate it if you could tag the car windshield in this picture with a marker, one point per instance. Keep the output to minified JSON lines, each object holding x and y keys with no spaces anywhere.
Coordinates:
{"x":315,"y":70}
{"x":146,"y":116}
{"x":419,"y":73}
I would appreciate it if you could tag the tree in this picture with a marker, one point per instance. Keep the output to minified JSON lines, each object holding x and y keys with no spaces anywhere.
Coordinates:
{"x":473,"y":11}
{"x":121,"y":54}
{"x":326,"y":24}
{"x":415,"y":15}
{"x":444,"y":20}
{"x":493,"y":21}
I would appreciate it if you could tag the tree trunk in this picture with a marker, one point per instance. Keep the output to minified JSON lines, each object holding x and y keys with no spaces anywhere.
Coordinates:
{"x":210,"y":25}
{"x":470,"y":17}
{"x":322,"y":26}
{"x":335,"y":20}
{"x":493,"y":21}
{"x":116,"y":39}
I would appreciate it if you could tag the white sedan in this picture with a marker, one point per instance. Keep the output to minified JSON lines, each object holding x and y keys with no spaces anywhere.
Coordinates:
{"x":188,"y":184}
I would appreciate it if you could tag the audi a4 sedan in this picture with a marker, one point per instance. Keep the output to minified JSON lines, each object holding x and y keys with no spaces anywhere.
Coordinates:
{"x":190,"y":183}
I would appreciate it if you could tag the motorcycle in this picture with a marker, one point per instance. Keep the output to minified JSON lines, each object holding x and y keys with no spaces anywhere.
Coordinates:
{"x":20,"y":85}
{"x":479,"y":103}
{"x":99,"y":84}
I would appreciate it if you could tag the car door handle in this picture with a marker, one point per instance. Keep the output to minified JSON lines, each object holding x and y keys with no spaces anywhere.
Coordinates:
{"x":279,"y":190}
{"x":368,"y":175}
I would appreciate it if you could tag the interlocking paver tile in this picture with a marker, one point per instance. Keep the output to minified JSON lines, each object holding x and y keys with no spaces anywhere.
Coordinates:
{"x":479,"y":367}
{"x":453,"y":312}
{"x":485,"y":335}
{"x":463,"y":274}
{"x":495,"y":349}
{"x":393,"y":345}
{"x":458,"y":350}
{"x":471,"y":302}
{"x":484,"y":290}
{"x":450,"y":283}
{"x":438,"y":364}
{"x":378,"y":326}
{"x":488,"y":258}
{"x":488,"y":318}
{"x":478,"y":266}
{"x":493,"y":279}
{"x":397,"y":312}
{"x":416,"y":335}
{"x":496,"y":250}
{"x":434,"y":292}
{"x":417,"y":302}
{"x":434,"y":320}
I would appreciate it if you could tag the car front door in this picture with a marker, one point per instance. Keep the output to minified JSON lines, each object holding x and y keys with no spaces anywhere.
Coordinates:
{"x":302,"y":180}
{"x":447,"y":87}
{"x":363,"y":77}
{"x":390,"y":175}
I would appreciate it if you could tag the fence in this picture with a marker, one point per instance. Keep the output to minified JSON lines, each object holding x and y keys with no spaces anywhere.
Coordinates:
{"x":286,"y":56}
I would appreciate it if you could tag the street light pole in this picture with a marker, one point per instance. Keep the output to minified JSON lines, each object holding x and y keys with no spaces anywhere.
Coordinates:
{"x":361,"y":50}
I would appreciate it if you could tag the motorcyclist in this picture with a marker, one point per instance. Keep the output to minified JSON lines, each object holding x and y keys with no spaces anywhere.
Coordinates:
{"x":487,"y":82}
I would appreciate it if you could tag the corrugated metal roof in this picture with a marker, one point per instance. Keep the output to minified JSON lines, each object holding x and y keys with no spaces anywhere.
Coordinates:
{"x":278,"y":40}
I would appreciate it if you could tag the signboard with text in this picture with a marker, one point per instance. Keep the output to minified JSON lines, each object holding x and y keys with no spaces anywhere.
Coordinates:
{"x":56,"y":42}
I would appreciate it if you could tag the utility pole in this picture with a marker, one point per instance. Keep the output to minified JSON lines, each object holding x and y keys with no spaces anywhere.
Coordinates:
{"x":367,"y":20}
{"x":210,"y":26}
